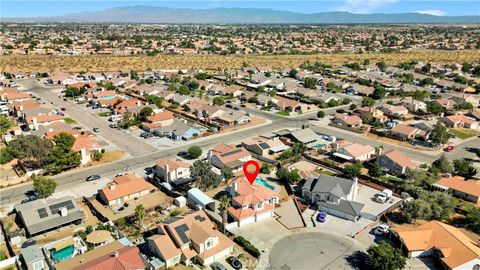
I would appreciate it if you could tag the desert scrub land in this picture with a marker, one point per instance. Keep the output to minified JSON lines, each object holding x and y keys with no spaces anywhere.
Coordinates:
{"x":98,"y":63}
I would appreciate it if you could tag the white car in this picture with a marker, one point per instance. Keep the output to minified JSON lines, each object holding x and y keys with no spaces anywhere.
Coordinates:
{"x":381,"y":229}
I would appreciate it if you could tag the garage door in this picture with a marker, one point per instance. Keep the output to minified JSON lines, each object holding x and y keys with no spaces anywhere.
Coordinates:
{"x":247,"y":221}
{"x":217,"y":257}
{"x":264,"y":215}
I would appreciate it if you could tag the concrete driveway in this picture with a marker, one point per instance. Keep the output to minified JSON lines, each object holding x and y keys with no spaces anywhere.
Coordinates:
{"x":313,"y":250}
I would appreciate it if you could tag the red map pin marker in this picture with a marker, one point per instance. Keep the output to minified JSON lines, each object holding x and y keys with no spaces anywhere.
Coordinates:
{"x":251,"y":175}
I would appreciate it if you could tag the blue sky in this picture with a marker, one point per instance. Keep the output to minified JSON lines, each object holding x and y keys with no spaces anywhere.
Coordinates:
{"x":18,"y":8}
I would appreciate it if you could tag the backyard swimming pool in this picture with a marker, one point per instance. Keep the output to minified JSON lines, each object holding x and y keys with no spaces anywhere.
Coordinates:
{"x":264,"y":183}
{"x":63,"y":254}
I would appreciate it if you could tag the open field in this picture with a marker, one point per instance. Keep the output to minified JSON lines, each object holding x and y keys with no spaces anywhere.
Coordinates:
{"x":95,"y":63}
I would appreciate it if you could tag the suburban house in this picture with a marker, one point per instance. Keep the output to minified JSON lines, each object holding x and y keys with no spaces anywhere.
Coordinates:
{"x":85,"y":145}
{"x":414,"y":105}
{"x":407,"y":133}
{"x":250,"y":202}
{"x":233,"y":118}
{"x":447,"y":244}
{"x":131,"y":105}
{"x":174,"y":171}
{"x":286,"y":104}
{"x":189,"y":238}
{"x":396,"y":162}
{"x":355,"y":152}
{"x":10,"y":95}
{"x":447,"y":104}
{"x":264,"y":147}
{"x":32,"y":258}
{"x":208,"y":112}
{"x":459,"y":121}
{"x":334,"y":195}
{"x":345,"y":120}
{"x":126,"y":258}
{"x":226,"y":156}
{"x":369,"y":114}
{"x":308,"y":137}
{"x":44,"y":215}
{"x":394,"y":111}
{"x":456,"y":185}
{"x":161,"y":119}
{"x":124,"y":188}
{"x":34,"y":122}
{"x":231,"y":90}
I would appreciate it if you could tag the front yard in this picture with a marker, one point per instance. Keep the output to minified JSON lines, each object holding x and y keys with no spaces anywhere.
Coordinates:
{"x":463,"y":133}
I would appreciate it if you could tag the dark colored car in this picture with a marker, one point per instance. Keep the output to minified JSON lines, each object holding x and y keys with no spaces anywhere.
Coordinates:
{"x":341,"y":111}
{"x":321,"y":217}
{"x":234,"y":262}
{"x":93,"y":178}
{"x":95,"y":129}
{"x":77,"y":128}
{"x":218,"y":266}
{"x":182,"y":154}
{"x":65,"y":99}
{"x":63,"y":109}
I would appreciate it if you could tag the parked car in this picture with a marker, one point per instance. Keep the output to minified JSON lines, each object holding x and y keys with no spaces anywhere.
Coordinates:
{"x":96,"y":130}
{"x":77,"y":128}
{"x":93,"y":177}
{"x":234,"y":262}
{"x":65,"y":99}
{"x":322,"y":217}
{"x":341,"y":111}
{"x":449,"y":148}
{"x":63,"y":109}
{"x":217,"y":266}
{"x":182,"y":154}
{"x":381,"y":229}
{"x":113,"y":125}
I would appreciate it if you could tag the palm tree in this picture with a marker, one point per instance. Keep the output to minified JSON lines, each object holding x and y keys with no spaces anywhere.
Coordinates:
{"x":140,"y":214}
{"x":378,"y":150}
{"x":224,"y":204}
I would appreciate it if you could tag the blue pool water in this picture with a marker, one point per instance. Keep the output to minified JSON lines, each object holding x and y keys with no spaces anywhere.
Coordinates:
{"x":107,"y":97}
{"x":63,"y":254}
{"x":264,"y":183}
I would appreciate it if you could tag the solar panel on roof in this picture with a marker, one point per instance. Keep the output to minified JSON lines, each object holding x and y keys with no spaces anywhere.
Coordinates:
{"x":199,"y":218}
{"x":56,"y":207}
{"x":181,"y":231}
{"x":264,"y":145}
{"x":42,"y":213}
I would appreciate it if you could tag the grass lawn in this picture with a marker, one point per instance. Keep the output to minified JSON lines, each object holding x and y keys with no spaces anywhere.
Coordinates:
{"x":69,"y":121}
{"x":462,"y":133}
{"x":104,"y":114}
{"x":323,"y":171}
{"x":390,"y":179}
{"x":283,"y":113}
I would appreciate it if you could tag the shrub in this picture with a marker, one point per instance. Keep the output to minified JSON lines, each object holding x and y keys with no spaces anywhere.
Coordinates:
{"x":247,"y":246}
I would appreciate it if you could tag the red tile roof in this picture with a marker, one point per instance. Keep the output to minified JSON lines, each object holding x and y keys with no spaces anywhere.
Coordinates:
{"x":127,"y":258}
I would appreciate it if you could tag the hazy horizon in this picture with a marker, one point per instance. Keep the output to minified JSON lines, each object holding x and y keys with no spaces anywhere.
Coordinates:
{"x":23,"y":9}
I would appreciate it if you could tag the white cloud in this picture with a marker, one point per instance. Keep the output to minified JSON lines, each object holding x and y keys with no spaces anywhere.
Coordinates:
{"x":434,"y":12}
{"x":363,"y":6}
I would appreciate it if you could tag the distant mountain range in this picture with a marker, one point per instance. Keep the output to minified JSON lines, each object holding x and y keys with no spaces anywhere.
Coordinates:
{"x":149,"y":14}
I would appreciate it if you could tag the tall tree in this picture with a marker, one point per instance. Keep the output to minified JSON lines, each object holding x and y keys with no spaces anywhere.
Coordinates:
{"x":62,"y":157}
{"x":43,"y":186}
{"x":442,"y":164}
{"x":376,"y":170}
{"x":386,"y":257}
{"x":5,"y":124}
{"x":224,"y":204}
{"x":353,"y":170}
{"x":203,"y":176}
{"x":439,"y":134}
{"x":140,"y":214}
{"x":194,"y":151}
{"x":227,"y":172}
{"x":31,"y":150}
{"x":144,"y":113}
{"x":291,"y":177}
{"x":464,"y":168}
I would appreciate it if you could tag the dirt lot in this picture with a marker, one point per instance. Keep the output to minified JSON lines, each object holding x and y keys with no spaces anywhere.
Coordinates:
{"x":111,"y":63}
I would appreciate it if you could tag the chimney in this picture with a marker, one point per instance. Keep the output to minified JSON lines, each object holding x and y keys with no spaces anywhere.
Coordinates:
{"x":34,"y":122}
{"x":138,"y":103}
{"x":355,"y":188}
{"x":116,"y":254}
{"x":166,"y":173}
{"x":111,"y":187}
{"x":63,"y":211}
{"x":233,"y":188}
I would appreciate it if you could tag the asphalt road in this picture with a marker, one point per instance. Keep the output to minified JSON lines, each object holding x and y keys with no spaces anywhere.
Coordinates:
{"x":144,"y":155}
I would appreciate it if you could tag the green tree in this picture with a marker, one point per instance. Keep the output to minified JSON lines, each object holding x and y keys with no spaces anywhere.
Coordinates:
{"x":227,"y":173}
{"x":421,"y":178}
{"x":427,"y":81}
{"x":218,"y":101}
{"x":333,"y":103}
{"x":97,"y":154}
{"x":224,"y":205}
{"x":366,"y":62}
{"x":155,"y":100}
{"x":43,"y":186}
{"x":426,"y":68}
{"x":442,"y":164}
{"x":140,"y":215}
{"x":31,"y":150}
{"x":194,"y":151}
{"x":417,"y":209}
{"x":310,"y":82}
{"x":265,"y":168}
{"x":379,"y":92}
{"x":203,"y":176}
{"x":434,"y":108}
{"x":368,"y":102}
{"x":320,"y":114}
{"x":385,"y":257}
{"x":5,"y":156}
{"x":466,"y":67}
{"x":439,"y":134}
{"x":144,"y":113}
{"x":472,"y":219}
{"x":353,"y":170}
{"x":464,"y":168}
{"x":382,"y":66}
{"x":5,"y":124}
{"x":293,"y":73}
{"x":62,"y":157}
{"x":376,"y":170}
{"x":291,"y":177}
{"x":298,"y":148}
{"x":353,"y":106}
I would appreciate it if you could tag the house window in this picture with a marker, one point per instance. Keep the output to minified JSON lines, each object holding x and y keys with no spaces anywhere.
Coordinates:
{"x":38,"y":265}
{"x":180,"y":173}
{"x":209,"y":244}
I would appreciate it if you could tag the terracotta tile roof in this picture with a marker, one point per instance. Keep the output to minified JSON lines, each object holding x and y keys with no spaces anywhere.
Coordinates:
{"x":407,"y":130}
{"x":166,"y":246}
{"x":459,"y":183}
{"x":166,"y":115}
{"x":44,"y":118}
{"x":82,"y":84}
{"x":105,"y":93}
{"x":349,"y":119}
{"x":457,"y":248}
{"x":133,"y":102}
{"x":172,"y":164}
{"x":401,"y":159}
{"x":235,"y":154}
{"x":125,"y":185}
{"x":51,"y":134}
{"x":126,"y":258}
{"x":356,"y":150}
{"x":13,"y":94}
{"x":285,"y":102}
{"x":222,"y":148}
{"x":85,"y":142}
{"x":112,"y":101}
